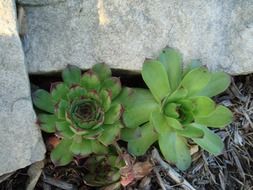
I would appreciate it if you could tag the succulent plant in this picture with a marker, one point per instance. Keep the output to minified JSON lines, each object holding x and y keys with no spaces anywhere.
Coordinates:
{"x":81,"y":111}
{"x":104,"y":171}
{"x":176,"y":110}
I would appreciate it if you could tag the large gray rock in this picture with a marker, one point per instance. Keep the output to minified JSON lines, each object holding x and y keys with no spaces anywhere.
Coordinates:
{"x":123,"y":33}
{"x":20,"y":139}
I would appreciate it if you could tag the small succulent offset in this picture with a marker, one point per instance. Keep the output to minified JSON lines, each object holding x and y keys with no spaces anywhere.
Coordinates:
{"x":81,"y":111}
{"x":177,"y":110}
{"x":104,"y":171}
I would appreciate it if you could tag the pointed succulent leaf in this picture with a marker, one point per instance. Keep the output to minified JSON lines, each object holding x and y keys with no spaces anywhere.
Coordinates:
{"x":86,"y":147}
{"x":112,"y":85}
{"x":61,"y":109}
{"x":171,"y":110}
{"x":76,"y":92}
{"x":113,"y":114}
{"x":59,"y":92}
{"x":191,"y":131}
{"x":138,"y":108}
{"x":220,"y":117}
{"x":43,"y":100}
{"x":105,"y":99}
{"x":90,"y":80}
{"x":83,"y":148}
{"x":61,"y":155}
{"x":194,"y":64}
{"x":124,"y":96}
{"x":64,"y":128}
{"x":110,"y":134}
{"x":141,"y":144}
{"x":98,"y":148}
{"x":210,"y":142}
{"x":218,"y":83}
{"x":172,"y":61}
{"x":91,"y":133}
{"x":155,"y":76}
{"x":175,"y":150}
{"x":102,"y":70}
{"x":196,"y":80}
{"x":203,"y":106}
{"x":47,"y":122}
{"x":71,"y":75}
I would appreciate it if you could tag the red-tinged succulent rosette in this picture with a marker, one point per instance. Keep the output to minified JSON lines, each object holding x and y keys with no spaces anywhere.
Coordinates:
{"x":81,"y":111}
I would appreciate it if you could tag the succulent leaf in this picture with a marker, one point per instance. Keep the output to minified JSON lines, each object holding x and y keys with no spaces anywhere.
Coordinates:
{"x":171,"y":110}
{"x":175,"y":150}
{"x":196,"y":80}
{"x":203,"y":106}
{"x":167,"y":146}
{"x":110,"y":134}
{"x":64,"y":128}
{"x":105,"y":99}
{"x":61,"y":109}
{"x":61,"y":155}
{"x":75,"y":92}
{"x":141,"y":144}
{"x":112,"y":85}
{"x":81,"y":148}
{"x":220,"y":117}
{"x":102,"y":70}
{"x":210,"y":142}
{"x":194,"y":64}
{"x":98,"y":148}
{"x":177,"y":95}
{"x":71,"y":75}
{"x":90,"y":80}
{"x":43,"y":100}
{"x":138,"y":107}
{"x":47,"y":122}
{"x":157,"y":83}
{"x":128,"y":134}
{"x":113,"y":114}
{"x":191,"y":131}
{"x":59,"y":92}
{"x":172,"y":61}
{"x":159,"y":122}
{"x":218,"y":83}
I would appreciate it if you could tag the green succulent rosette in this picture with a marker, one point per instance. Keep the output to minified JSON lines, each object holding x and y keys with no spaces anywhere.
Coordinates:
{"x":81,"y":111}
{"x":176,"y":110}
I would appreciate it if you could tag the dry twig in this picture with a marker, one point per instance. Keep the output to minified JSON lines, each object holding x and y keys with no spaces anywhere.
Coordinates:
{"x":171,"y":172}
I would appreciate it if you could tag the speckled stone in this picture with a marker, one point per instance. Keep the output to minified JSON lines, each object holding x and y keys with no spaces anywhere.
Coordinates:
{"x":123,"y":33}
{"x":20,"y":139}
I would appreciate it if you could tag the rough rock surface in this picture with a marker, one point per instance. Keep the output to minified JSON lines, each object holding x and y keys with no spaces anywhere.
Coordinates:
{"x":123,"y":33}
{"x":20,"y":139}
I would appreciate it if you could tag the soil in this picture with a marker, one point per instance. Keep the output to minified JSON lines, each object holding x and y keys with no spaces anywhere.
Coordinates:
{"x":231,"y":170}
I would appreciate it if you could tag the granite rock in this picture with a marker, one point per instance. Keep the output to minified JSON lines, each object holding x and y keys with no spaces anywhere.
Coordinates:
{"x":124,"y":33}
{"x":20,"y":139}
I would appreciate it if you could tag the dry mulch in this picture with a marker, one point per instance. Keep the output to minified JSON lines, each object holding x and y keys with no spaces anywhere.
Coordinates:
{"x":232,"y":170}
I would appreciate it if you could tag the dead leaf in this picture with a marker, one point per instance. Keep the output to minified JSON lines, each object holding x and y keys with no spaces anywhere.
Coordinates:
{"x":135,"y":172}
{"x":52,"y":142}
{"x":194,"y":149}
